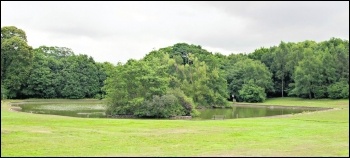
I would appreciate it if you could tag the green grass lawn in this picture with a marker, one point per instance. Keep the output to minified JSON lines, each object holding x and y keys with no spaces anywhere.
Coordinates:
{"x":289,"y":101}
{"x":322,"y":133}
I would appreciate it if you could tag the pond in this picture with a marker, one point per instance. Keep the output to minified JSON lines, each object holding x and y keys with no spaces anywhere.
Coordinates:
{"x":97,"y":110}
{"x":249,"y":110}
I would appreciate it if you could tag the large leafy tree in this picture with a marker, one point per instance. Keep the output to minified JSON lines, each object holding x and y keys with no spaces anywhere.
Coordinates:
{"x":105,"y":70}
{"x":252,"y":93}
{"x":16,"y":58}
{"x":132,"y":84}
{"x":8,"y":32}
{"x":279,"y":64}
{"x":245,"y":71}
{"x":41,"y":82}
{"x":80,"y":76}
{"x":340,"y":51}
{"x":206,"y":86}
{"x":58,"y":73}
{"x":307,"y":77}
{"x":144,"y":88}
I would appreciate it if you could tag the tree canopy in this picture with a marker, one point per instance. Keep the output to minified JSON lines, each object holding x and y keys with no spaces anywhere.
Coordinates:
{"x":175,"y":80}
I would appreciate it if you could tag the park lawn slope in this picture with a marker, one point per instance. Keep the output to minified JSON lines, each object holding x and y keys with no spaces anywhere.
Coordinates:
{"x":322,"y":133}
{"x":291,"y":101}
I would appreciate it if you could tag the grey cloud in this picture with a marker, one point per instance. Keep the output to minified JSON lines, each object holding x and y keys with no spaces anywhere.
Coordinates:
{"x":118,"y":31}
{"x":285,"y":21}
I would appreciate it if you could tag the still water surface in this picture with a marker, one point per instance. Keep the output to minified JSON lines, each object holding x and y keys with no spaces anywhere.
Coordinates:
{"x":245,"y":111}
{"x":97,"y":110}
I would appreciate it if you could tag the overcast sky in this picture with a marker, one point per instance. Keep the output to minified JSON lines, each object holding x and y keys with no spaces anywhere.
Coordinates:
{"x":118,"y":31}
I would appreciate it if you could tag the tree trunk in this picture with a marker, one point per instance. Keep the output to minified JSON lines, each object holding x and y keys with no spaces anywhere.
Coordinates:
{"x":309,"y":94}
{"x":282,"y":86}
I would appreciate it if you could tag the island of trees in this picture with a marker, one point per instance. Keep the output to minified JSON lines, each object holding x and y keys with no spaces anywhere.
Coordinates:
{"x":174,"y":80}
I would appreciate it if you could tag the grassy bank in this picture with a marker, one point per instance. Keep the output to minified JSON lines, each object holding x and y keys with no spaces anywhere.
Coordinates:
{"x":326,"y":103}
{"x":323,"y":133}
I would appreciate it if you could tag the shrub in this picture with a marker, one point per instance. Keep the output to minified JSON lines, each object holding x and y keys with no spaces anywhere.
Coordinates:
{"x":4,"y":92}
{"x":338,"y":90}
{"x":252,"y":93}
{"x":187,"y":103}
{"x":160,"y":106}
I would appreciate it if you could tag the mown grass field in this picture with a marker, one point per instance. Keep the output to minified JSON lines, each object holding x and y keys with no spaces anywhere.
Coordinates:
{"x":322,"y":133}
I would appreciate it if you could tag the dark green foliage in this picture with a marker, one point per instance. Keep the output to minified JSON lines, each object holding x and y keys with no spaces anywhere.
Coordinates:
{"x":247,"y":70}
{"x":290,"y":69}
{"x":338,"y":90}
{"x":40,"y":82}
{"x":133,"y":83}
{"x":174,"y":80}
{"x":186,"y":102}
{"x":307,"y":68}
{"x":259,"y":54}
{"x":16,"y":58}
{"x":306,"y":77}
{"x":279,"y":65}
{"x":82,"y":80}
{"x":8,"y":32}
{"x":252,"y":93}
{"x":104,"y":70}
{"x":3,"y":92}
{"x":154,"y":75}
{"x":180,"y":50}
{"x":57,"y":72}
{"x":204,"y":84}
{"x":160,"y":107}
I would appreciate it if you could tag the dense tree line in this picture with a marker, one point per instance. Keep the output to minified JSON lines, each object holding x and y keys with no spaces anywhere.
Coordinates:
{"x":47,"y":72}
{"x":308,"y":69}
{"x":175,"y":80}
